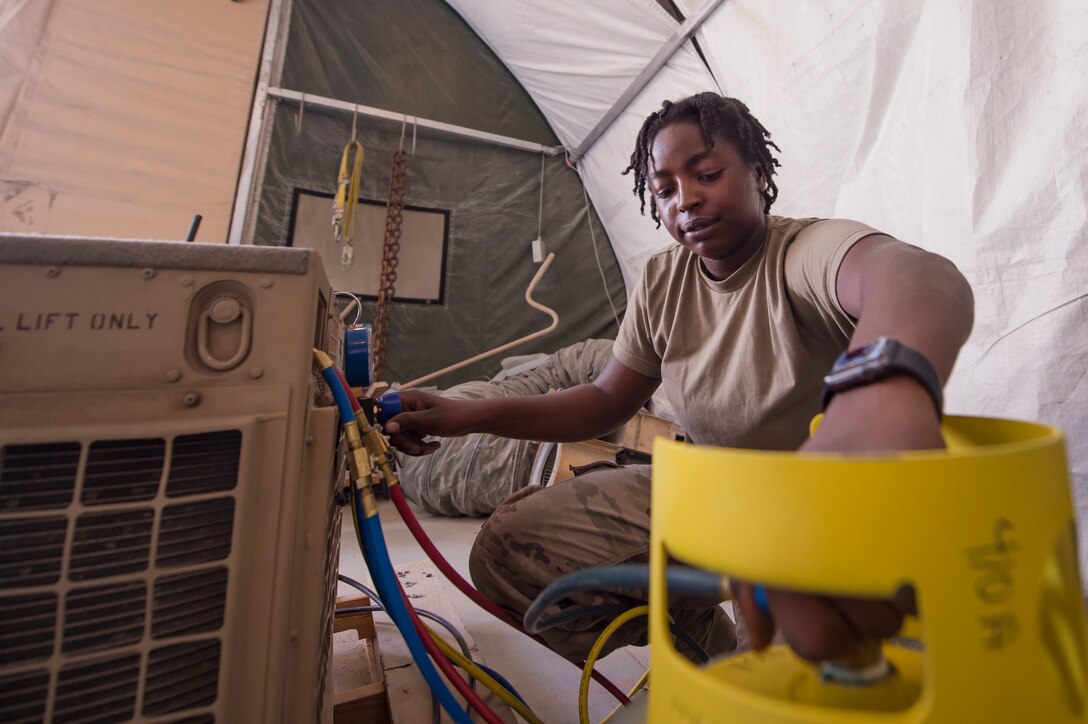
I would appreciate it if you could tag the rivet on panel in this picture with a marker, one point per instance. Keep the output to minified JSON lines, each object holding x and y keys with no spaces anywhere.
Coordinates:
{"x":256,"y":373}
{"x":265,"y":283}
{"x":191,"y":399}
{"x":173,"y":375}
{"x":147,"y":273}
{"x":52,"y":271}
{"x":186,"y":281}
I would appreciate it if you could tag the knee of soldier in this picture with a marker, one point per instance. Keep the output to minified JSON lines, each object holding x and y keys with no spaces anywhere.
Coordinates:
{"x":487,"y":559}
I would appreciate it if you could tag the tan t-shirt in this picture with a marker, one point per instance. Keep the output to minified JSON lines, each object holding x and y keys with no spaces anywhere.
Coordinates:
{"x":742,"y":360}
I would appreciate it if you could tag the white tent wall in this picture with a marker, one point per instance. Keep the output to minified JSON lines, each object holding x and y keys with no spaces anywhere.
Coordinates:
{"x":122,"y":119}
{"x":960,"y":128}
{"x":957,"y":127}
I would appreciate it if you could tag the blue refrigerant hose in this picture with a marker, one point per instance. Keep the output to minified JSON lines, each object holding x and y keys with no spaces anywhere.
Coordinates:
{"x":376,"y":556}
{"x":343,"y":402}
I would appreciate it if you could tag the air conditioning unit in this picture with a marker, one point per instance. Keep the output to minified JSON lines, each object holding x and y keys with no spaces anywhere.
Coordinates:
{"x":169,"y":532}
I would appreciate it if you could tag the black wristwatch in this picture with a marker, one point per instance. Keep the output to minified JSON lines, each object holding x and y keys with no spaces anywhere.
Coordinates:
{"x":879,"y":360}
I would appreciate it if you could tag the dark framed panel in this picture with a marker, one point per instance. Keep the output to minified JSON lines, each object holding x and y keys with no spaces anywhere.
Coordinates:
{"x":424,"y":246}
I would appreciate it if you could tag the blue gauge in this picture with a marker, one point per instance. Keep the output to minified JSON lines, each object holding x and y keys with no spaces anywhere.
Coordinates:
{"x":388,"y":406}
{"x":358,"y":356}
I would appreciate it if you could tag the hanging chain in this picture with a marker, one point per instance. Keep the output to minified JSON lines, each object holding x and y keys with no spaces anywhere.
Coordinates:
{"x":387,"y":283}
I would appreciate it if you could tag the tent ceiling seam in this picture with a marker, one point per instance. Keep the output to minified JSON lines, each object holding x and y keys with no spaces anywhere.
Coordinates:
{"x":679,"y":36}
{"x":306,"y":99}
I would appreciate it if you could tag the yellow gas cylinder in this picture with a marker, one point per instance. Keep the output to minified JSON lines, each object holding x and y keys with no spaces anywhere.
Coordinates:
{"x":983,"y":532}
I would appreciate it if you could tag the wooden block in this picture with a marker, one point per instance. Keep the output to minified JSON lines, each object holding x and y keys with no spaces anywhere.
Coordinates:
{"x":576,"y":454}
{"x":362,"y":705}
{"x":359,"y":691}
{"x":639,"y":432}
{"x":362,"y":622}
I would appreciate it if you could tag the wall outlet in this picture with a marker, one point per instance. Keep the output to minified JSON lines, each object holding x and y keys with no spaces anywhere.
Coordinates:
{"x":538,"y":250}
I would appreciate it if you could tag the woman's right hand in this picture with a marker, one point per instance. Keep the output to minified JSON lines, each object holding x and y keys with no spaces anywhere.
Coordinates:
{"x":424,"y":414}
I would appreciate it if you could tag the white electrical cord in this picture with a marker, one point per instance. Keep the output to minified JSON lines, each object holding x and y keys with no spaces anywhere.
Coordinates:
{"x":593,"y":237}
{"x":540,"y":214}
{"x":354,"y":305}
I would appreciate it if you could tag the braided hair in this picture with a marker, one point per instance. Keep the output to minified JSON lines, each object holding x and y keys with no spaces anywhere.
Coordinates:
{"x":715,"y":114}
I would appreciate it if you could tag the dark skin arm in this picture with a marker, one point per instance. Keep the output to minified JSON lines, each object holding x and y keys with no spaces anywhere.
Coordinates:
{"x":579,"y":413}
{"x":891,"y":289}
{"x":896,"y":290}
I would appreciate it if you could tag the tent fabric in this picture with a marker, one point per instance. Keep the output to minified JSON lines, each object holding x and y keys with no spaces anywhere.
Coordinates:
{"x":121,"y":122}
{"x":956,"y":129}
{"x":419,"y":58}
{"x":959,"y":128}
{"x":576,"y":60}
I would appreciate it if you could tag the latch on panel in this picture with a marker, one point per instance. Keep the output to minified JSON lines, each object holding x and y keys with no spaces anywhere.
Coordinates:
{"x":224,"y":332}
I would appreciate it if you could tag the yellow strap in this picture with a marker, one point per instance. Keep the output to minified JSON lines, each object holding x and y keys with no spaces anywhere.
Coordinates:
{"x":347,"y":191}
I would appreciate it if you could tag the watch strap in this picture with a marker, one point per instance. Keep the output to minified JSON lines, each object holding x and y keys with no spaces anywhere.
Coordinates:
{"x":902,"y":361}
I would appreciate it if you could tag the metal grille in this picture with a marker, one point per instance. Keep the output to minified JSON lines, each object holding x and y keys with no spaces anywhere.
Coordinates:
{"x":104,"y":617}
{"x":110,"y":544}
{"x":31,"y":550}
{"x":104,"y":614}
{"x":23,"y":696}
{"x":122,"y":470}
{"x":102,"y":690}
{"x":189,"y":603}
{"x":204,"y":463}
{"x":196,"y":532}
{"x":38,"y":477}
{"x":332,"y":567}
{"x":181,"y":677}
{"x":26,"y":627}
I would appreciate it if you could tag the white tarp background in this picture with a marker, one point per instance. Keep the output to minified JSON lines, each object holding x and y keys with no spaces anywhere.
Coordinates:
{"x":958,"y":127}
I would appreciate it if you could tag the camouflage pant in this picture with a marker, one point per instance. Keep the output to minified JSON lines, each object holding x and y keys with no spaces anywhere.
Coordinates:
{"x":599,"y":518}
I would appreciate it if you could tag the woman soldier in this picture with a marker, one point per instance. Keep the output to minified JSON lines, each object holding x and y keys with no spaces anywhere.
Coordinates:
{"x":740,"y":322}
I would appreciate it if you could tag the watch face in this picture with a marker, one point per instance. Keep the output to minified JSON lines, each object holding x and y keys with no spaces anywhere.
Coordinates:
{"x":882,"y":358}
{"x":861,"y":365}
{"x":872,"y":351}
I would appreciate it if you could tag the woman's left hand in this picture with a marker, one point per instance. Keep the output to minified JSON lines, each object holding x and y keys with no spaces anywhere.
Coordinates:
{"x":893,"y":415}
